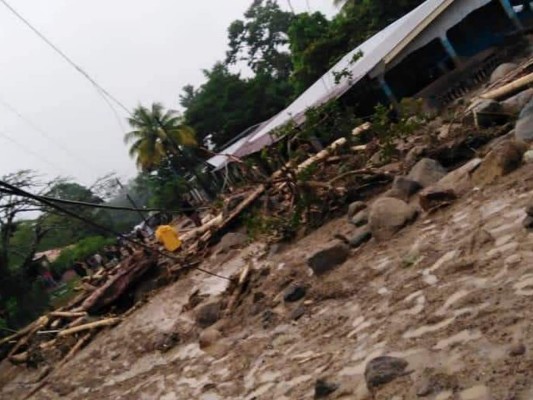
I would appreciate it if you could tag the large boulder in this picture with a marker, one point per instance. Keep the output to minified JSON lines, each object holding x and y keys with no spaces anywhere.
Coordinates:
{"x":326,"y":259}
{"x":501,"y":71}
{"x":427,"y":172}
{"x":388,"y":216}
{"x":500,"y":161}
{"x":382,"y":370}
{"x":524,"y":125}
{"x":517,"y":102}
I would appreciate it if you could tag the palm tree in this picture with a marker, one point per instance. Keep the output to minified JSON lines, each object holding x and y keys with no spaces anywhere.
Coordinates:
{"x":157,"y":134}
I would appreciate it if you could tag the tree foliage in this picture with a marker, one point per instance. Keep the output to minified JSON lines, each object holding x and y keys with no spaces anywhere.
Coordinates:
{"x":261,"y":39}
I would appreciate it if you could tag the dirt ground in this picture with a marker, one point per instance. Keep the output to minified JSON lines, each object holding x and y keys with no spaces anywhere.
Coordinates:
{"x":451,"y":294}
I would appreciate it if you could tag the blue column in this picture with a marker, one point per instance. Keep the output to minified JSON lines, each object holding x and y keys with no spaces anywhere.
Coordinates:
{"x":450,"y":50}
{"x":506,"y":4}
{"x":387,"y":90}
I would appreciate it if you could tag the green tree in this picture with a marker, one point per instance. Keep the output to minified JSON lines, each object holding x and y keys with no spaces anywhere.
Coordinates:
{"x":261,"y":39}
{"x":225,"y":105}
{"x":157,"y":133}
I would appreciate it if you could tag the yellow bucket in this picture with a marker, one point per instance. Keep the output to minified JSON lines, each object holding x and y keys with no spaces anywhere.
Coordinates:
{"x":168,"y":236}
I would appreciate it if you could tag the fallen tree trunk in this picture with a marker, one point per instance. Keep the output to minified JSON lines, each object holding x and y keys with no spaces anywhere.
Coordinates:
{"x":509,"y":89}
{"x":136,"y":266}
{"x":91,"y":325}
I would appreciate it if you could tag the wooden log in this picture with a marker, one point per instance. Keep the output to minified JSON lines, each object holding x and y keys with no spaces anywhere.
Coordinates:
{"x":68,"y":314}
{"x":40,"y":323}
{"x":509,"y":89}
{"x":89,"y":326}
{"x":134,"y":268}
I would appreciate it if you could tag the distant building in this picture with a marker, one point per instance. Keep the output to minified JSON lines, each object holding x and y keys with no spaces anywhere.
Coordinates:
{"x":424,"y":54}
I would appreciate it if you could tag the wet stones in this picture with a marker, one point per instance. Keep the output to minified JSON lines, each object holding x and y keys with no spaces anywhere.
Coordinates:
{"x":324,"y":388}
{"x":294,"y":293}
{"x":209,"y":337}
{"x":361,"y":218}
{"x":328,"y":258}
{"x":355,"y":207}
{"x":516,"y":103}
{"x":501,"y":71}
{"x":524,"y":125}
{"x":388,"y":216}
{"x":528,"y":157}
{"x":206,"y":315}
{"x":517,"y":349}
{"x":360,"y":237}
{"x":232,"y":240}
{"x":433,"y":198}
{"x":502,"y":160}
{"x":426,"y":172}
{"x":382,"y":370}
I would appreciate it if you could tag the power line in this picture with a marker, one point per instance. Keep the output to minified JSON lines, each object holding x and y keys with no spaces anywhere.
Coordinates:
{"x":29,"y":151}
{"x":15,"y":190}
{"x":65,"y":57}
{"x":44,"y":134}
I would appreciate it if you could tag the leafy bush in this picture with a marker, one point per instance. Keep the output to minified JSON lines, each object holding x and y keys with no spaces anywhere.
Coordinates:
{"x":81,"y":250}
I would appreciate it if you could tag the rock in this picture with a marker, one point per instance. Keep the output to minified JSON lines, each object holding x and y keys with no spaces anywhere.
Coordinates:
{"x":528,"y":222}
{"x":362,"y":236}
{"x":433,"y":382}
{"x":516,"y":103}
{"x":529,"y":209}
{"x":433,"y":198}
{"x":427,"y":172}
{"x":460,"y":179}
{"x":361,"y":218}
{"x":324,"y":389}
{"x":524,"y":125}
{"x":528,"y":157}
{"x":382,"y":370}
{"x":501,"y":71}
{"x":405,"y":185}
{"x":517,"y":349}
{"x":488,"y":113}
{"x":232,"y":240}
{"x":209,"y":337}
{"x":388,"y":216}
{"x":166,"y":341}
{"x":412,"y":156}
{"x":328,"y":258}
{"x":501,"y":161}
{"x":208,"y":314}
{"x":297,"y":313}
{"x":355,"y":207}
{"x":294,"y":293}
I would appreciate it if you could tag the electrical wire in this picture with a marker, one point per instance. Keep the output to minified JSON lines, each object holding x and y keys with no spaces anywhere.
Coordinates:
{"x":20,"y":192}
{"x":31,"y":152}
{"x":116,"y":208}
{"x":64,"y":56}
{"x":45,"y":134}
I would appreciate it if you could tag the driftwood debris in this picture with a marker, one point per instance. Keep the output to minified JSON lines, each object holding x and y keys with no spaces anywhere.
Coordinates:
{"x":509,"y":89}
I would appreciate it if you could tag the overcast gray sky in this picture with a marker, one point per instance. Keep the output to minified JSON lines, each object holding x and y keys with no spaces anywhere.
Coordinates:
{"x":141,"y":51}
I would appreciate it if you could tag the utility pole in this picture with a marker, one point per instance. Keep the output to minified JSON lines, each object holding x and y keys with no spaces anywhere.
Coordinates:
{"x":131,"y":200}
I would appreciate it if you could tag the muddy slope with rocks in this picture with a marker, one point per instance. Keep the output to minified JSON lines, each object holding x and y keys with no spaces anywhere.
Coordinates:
{"x":422,"y":292}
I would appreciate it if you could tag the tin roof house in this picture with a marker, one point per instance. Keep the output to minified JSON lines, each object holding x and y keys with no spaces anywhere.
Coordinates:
{"x":420,"y":55}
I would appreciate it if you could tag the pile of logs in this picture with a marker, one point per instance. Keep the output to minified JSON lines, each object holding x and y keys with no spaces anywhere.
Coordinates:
{"x":58,"y":335}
